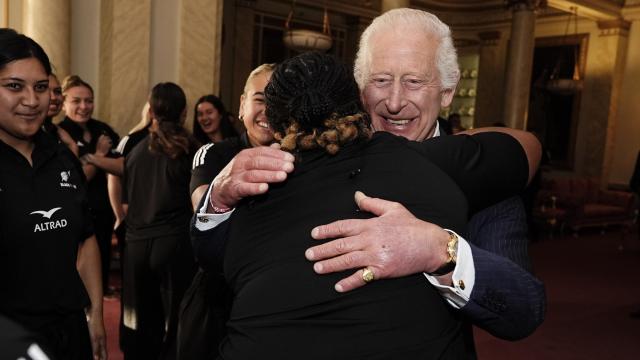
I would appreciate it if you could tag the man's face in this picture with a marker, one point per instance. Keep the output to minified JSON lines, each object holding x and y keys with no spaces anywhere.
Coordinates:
{"x":252,"y":108}
{"x":403,"y":93}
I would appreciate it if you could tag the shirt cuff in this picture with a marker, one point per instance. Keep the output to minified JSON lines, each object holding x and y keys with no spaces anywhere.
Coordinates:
{"x":207,"y":221}
{"x":463,"y":278}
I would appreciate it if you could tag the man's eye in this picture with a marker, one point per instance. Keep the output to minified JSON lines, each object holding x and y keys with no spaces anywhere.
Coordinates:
{"x":381,"y":81}
{"x":413,"y":83}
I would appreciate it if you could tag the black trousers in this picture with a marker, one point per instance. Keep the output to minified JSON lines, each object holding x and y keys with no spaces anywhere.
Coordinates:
{"x":156,"y":274}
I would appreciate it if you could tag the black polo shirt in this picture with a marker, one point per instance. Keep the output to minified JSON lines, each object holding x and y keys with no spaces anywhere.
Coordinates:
{"x":211,"y":158}
{"x":128,"y":142}
{"x":97,"y":190}
{"x":44,"y":216}
{"x":156,"y":189}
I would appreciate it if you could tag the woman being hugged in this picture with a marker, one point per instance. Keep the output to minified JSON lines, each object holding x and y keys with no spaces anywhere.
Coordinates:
{"x":95,"y":140}
{"x":158,"y":260}
{"x":49,"y":257}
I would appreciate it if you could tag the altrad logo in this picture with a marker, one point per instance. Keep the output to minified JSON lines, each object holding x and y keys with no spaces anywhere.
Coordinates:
{"x":48,"y":225}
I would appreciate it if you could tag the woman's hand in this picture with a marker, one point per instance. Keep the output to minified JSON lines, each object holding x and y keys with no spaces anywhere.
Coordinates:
{"x":98,"y":337}
{"x":103,"y":145}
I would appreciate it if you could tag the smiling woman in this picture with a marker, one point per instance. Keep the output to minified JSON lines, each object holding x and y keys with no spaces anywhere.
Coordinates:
{"x":24,"y":100}
{"x":49,"y":258}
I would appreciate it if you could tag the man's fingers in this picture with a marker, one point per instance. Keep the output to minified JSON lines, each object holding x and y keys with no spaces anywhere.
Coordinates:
{"x":263,"y":176}
{"x":243,"y":190}
{"x":346,"y":260}
{"x":341,"y":228}
{"x":374,"y":205}
{"x":352,"y":282}
{"x":267,"y":151}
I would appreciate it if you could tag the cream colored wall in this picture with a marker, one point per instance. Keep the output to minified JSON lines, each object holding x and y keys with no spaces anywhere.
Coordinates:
{"x":165,"y":24}
{"x":85,"y":43}
{"x":15,"y":15}
{"x":627,"y":141}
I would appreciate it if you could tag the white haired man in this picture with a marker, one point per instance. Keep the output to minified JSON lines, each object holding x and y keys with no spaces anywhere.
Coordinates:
{"x":407,"y":70}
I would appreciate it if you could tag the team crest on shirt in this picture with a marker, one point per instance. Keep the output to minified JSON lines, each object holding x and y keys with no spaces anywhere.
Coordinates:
{"x":64,"y":179}
{"x":49,"y":223}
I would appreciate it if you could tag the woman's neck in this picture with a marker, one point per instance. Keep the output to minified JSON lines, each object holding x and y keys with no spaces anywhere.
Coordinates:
{"x":216,"y":136}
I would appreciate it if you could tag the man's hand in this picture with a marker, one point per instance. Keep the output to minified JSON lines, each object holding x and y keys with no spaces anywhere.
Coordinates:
{"x":250,"y":173}
{"x":98,"y":337}
{"x":393,"y":244}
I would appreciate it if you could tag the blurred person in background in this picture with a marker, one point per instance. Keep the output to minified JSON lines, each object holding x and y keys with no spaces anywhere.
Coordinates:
{"x":211,"y":121}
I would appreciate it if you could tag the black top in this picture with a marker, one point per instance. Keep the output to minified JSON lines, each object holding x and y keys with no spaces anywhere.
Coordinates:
{"x":43,"y":217}
{"x":156,"y":189}
{"x":128,"y":142}
{"x":211,"y":158}
{"x":282,"y":309}
{"x":98,"y":194}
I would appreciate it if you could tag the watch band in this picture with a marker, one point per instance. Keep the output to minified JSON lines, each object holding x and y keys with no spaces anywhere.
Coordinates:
{"x":452,"y":253}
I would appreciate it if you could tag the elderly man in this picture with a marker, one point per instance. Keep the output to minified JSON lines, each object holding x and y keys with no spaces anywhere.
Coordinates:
{"x":407,"y":70}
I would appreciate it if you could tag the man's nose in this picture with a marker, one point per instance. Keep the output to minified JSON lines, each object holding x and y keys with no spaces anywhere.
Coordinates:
{"x":396,"y":100}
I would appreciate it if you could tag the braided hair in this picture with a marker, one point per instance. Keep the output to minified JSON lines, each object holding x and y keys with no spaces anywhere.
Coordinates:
{"x":313,"y":101}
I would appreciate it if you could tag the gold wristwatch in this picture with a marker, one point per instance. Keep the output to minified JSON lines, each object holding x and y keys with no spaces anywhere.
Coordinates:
{"x":452,"y":253}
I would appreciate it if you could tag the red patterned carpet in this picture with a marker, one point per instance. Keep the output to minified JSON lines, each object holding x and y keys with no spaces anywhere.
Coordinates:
{"x":592,"y":282}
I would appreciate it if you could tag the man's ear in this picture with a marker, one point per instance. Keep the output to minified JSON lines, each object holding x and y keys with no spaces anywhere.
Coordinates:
{"x":447,"y":95}
{"x":241,"y":110}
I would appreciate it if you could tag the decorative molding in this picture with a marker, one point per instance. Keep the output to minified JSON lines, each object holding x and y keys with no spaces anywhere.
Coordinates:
{"x":246,"y":3}
{"x":617,"y":27}
{"x":489,"y":38}
{"x":525,"y":5}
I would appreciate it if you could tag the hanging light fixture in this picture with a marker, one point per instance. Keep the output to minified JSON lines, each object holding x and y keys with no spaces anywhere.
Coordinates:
{"x":307,"y":40}
{"x":567,"y":86}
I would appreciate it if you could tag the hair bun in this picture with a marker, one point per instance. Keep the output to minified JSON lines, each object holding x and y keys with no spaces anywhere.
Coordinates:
{"x":311,"y":107}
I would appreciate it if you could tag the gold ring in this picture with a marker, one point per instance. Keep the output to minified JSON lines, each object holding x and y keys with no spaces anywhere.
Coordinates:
{"x":368,"y":275}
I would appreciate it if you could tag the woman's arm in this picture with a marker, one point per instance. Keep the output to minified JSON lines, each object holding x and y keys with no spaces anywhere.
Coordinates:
{"x":88,"y":265}
{"x":68,"y":141}
{"x":527,"y":140}
{"x":110,"y":165}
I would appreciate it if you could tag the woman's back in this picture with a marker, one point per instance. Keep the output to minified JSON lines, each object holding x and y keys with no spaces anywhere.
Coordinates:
{"x":157,"y":191}
{"x":284,"y":309}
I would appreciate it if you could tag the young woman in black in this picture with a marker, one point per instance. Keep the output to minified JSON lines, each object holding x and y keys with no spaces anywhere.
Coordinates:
{"x":49,"y":257}
{"x":158,"y":260}
{"x":212,"y":121}
{"x":95,"y":140}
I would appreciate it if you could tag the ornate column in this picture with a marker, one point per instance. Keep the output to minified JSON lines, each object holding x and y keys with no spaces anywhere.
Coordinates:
{"x":387,"y":5}
{"x":519,"y":62}
{"x":200,"y":49}
{"x":490,"y":79}
{"x":49,"y":23}
{"x":124,"y":61}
